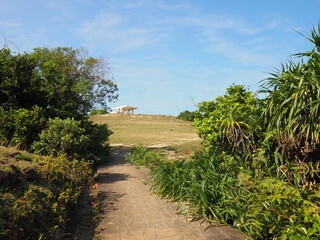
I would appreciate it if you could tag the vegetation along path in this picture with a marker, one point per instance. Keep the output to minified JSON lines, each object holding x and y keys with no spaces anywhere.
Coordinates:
{"x":129,"y":211}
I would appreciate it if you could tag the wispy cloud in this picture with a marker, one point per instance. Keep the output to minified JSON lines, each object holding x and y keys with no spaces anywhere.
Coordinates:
{"x":158,"y":4}
{"x":9,"y":24}
{"x":237,"y":40}
{"x":253,"y":51}
{"x":116,"y":33}
{"x":220,"y":22}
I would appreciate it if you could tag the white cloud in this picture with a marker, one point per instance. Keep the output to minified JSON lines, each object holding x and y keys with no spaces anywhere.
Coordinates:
{"x":116,"y":33}
{"x":235,"y":39}
{"x":250,"y":52}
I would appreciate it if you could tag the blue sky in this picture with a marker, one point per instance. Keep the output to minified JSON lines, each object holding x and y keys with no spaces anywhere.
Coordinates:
{"x":167,"y":55}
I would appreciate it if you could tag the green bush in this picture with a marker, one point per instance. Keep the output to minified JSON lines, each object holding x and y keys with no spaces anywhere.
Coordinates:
{"x":62,"y":136}
{"x":269,"y":208}
{"x":98,"y":148}
{"x":98,"y":112}
{"x":203,"y":183}
{"x":38,"y":209}
{"x":212,"y":187}
{"x":76,"y":139}
{"x":186,"y":116}
{"x":231,"y":122}
{"x":21,"y":127}
{"x":143,"y":156}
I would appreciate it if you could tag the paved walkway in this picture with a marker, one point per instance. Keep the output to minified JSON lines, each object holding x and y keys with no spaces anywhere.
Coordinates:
{"x":131,"y":212}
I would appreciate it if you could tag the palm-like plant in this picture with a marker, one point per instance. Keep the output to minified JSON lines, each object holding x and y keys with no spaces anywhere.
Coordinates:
{"x":231,"y":122}
{"x":293,"y":103}
{"x":235,"y":129}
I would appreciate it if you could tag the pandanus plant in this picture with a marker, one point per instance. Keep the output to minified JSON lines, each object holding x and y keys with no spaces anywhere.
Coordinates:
{"x":293,"y":96}
{"x":293,"y":105}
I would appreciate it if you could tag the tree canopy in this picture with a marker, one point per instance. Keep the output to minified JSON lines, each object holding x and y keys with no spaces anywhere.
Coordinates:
{"x":59,"y":83}
{"x":65,"y":82}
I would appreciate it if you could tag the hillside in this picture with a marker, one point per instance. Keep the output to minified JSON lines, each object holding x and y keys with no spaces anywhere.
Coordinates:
{"x":154,"y":131}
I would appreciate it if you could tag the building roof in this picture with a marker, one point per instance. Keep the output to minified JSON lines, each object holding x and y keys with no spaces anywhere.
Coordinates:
{"x":124,"y":108}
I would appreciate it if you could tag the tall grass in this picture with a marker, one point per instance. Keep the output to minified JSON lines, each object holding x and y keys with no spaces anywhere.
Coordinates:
{"x":201,"y":182}
{"x":210,"y":188}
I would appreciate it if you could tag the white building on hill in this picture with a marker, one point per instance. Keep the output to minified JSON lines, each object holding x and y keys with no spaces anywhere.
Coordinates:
{"x":123,"y":109}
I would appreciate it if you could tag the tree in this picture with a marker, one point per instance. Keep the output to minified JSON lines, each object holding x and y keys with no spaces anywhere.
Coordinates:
{"x":50,"y":83}
{"x":18,"y":88}
{"x":63,"y":81}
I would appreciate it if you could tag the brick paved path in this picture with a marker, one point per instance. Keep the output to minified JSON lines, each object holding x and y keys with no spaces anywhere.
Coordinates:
{"x":131,"y":212}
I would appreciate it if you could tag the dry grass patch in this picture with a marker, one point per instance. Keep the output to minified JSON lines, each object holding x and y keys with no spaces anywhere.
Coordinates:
{"x":10,"y":155}
{"x":153,"y":131}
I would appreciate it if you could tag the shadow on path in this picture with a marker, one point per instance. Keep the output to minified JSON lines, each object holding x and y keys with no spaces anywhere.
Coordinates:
{"x":109,"y":197}
{"x":112,"y":177}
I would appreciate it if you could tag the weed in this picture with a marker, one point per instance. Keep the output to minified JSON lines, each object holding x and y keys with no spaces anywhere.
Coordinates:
{"x":142,"y":156}
{"x":23,"y":157}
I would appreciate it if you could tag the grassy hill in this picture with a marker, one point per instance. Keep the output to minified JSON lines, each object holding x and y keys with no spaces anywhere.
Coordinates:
{"x":153,"y":131}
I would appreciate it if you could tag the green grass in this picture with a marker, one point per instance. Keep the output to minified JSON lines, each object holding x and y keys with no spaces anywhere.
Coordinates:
{"x":152,"y":131}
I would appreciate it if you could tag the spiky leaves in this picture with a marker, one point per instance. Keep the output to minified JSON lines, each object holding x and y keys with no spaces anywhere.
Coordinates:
{"x":293,"y":103}
{"x":231,"y":121}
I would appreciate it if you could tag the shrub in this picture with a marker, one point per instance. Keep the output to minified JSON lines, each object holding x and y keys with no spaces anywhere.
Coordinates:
{"x":62,"y":136}
{"x":21,"y":127}
{"x":38,"y":209}
{"x":187,"y":116}
{"x":231,"y":122}
{"x":272,"y":209}
{"x":76,"y":139}
{"x":203,"y":183}
{"x":143,"y":156}
{"x":211,"y":187}
{"x":293,"y":109}
{"x":98,"y":148}
{"x":98,"y":112}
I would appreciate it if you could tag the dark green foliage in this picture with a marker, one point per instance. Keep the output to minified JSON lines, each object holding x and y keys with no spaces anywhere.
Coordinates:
{"x":187,"y":116}
{"x":45,"y":97}
{"x":20,"y":127}
{"x":18,"y":87}
{"x":98,"y":148}
{"x":75,"y":139}
{"x":270,"y":208}
{"x":52,"y":83}
{"x":62,"y":136}
{"x":203,"y":183}
{"x":211,"y":188}
{"x":63,"y":81}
